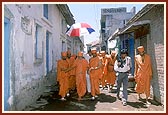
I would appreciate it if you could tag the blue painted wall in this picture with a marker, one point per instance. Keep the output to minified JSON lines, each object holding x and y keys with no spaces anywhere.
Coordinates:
{"x":6,"y":63}
{"x":131,"y":52}
{"x":127,"y":42}
{"x":47,"y":51}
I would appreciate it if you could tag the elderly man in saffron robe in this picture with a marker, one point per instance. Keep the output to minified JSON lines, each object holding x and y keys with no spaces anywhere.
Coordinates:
{"x":143,"y":73}
{"x":104,"y":69}
{"x":111,"y":74}
{"x":95,"y":73}
{"x":71,"y":73}
{"x":81,"y":66}
{"x":62,"y":76}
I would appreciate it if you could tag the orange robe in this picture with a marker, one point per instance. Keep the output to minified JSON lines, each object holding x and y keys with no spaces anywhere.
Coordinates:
{"x":81,"y":66}
{"x":104,"y":71}
{"x":95,"y":75}
{"x":111,"y":74}
{"x":143,"y":74}
{"x":71,"y":74}
{"x":62,"y":77}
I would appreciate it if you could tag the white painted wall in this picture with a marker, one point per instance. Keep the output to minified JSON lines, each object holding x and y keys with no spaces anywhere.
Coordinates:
{"x":29,"y":76}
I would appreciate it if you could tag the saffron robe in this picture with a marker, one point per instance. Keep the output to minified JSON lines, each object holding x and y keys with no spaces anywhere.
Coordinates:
{"x":111,"y":74}
{"x":62,"y":76}
{"x":81,"y":66}
{"x":95,"y":75}
{"x":71,"y":74}
{"x":104,"y":71}
{"x":143,"y":74}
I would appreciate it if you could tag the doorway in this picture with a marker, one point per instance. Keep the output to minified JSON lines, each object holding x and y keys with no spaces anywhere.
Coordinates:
{"x":6,"y":62}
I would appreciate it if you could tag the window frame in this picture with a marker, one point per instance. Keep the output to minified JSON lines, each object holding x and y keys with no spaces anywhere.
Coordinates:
{"x":38,"y":34}
{"x":45,"y":11}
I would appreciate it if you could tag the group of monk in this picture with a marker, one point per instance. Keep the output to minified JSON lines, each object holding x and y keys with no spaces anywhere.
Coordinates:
{"x":72,"y":71}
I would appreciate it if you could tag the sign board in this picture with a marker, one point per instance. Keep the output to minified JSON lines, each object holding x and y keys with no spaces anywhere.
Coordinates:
{"x":108,"y":11}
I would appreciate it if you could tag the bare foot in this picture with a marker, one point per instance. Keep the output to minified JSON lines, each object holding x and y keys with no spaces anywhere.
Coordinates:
{"x":63,"y":99}
{"x":148,"y":103}
{"x":139,"y":97}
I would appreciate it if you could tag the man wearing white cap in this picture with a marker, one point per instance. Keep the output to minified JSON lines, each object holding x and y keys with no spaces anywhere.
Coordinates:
{"x":95,"y":73}
{"x":143,"y":73}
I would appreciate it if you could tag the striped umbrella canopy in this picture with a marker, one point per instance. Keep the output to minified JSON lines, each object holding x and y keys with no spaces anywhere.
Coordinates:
{"x":79,"y":29}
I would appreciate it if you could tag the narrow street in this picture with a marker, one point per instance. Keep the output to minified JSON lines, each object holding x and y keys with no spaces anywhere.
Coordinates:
{"x":106,"y":102}
{"x":49,"y":43}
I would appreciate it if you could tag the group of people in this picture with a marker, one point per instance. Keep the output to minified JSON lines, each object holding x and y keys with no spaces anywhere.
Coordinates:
{"x":86,"y":72}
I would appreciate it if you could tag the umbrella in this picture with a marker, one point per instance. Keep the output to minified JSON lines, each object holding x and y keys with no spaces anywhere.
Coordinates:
{"x":79,"y":29}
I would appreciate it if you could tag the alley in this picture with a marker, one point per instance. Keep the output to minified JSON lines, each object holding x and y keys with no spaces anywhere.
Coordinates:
{"x":106,"y":102}
{"x":36,"y":35}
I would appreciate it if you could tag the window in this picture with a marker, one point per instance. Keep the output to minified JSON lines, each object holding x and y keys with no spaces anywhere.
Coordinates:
{"x":63,"y":46}
{"x":47,"y":51}
{"x":124,"y":22}
{"x":38,"y":42}
{"x":45,"y":11}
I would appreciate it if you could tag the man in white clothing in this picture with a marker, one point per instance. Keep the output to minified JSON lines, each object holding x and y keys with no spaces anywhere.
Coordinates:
{"x":87,"y":56}
{"x":122,"y":66}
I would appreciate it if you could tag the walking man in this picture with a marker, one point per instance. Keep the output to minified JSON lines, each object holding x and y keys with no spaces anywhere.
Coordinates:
{"x":123,"y":66}
{"x":95,"y":73}
{"x":104,"y":69}
{"x":143,"y":73}
{"x":88,"y":85}
{"x":111,"y":74}
{"x":81,"y":66}
{"x":62,"y":75}
{"x":71,"y":73}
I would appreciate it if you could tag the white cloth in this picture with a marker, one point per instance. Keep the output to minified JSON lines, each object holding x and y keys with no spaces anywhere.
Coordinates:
{"x":127,"y":65}
{"x":88,"y":84}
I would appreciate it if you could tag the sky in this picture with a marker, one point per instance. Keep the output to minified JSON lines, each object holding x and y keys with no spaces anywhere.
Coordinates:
{"x":91,"y":13}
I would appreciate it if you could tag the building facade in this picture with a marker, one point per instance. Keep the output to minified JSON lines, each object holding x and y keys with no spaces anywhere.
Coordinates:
{"x":95,"y":44}
{"x":34,"y":37}
{"x":147,"y":28}
{"x":112,"y":19}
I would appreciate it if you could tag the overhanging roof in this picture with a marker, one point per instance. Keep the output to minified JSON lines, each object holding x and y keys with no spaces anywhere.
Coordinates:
{"x":64,"y":9}
{"x":131,"y":28}
{"x":134,"y":26}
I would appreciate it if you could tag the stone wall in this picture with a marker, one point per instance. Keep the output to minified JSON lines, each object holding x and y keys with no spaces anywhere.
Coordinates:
{"x":28,"y":76}
{"x":156,"y":49}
